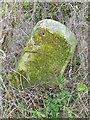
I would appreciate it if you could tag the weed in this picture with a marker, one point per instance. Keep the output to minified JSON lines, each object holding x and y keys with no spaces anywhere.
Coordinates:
{"x":55,"y":103}
{"x":61,"y":80}
{"x":78,"y":60}
{"x":82,"y":88}
{"x":36,"y":113}
{"x":69,"y":112}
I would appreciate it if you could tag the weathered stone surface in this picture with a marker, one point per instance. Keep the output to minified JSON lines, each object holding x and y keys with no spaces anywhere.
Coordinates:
{"x":45,"y":56}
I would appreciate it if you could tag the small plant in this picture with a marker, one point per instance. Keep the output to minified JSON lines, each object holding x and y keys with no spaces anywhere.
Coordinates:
{"x":4,"y":8}
{"x":55,"y":103}
{"x":87,"y":18}
{"x":36,"y":113}
{"x":82,"y":88}
{"x":21,"y":107}
{"x":25,"y":5}
{"x":69,"y":112}
{"x":61,"y":80}
{"x":78,"y":60}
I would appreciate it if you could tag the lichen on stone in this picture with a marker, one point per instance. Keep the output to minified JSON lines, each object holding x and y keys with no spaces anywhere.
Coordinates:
{"x":43,"y":60}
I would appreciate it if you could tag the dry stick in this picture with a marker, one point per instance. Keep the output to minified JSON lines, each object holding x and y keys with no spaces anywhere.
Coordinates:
{"x":3,"y":54}
{"x":86,"y":110}
{"x":11,"y":98}
{"x":1,"y":59}
{"x":34,"y":9}
{"x":78,"y":101}
{"x":6,"y":92}
{"x":1,"y":107}
{"x":10,"y":112}
{"x":22,"y":76}
{"x":71,"y":95}
{"x":24,"y":32}
{"x":6,"y":16}
{"x":80,"y":112}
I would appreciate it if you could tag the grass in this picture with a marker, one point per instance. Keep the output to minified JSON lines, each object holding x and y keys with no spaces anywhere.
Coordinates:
{"x":45,"y":103}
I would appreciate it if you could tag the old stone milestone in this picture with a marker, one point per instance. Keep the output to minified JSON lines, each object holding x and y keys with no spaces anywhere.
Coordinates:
{"x":45,"y":56}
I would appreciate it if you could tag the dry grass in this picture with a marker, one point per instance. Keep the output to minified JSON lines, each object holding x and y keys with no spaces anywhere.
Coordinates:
{"x":17,"y":24}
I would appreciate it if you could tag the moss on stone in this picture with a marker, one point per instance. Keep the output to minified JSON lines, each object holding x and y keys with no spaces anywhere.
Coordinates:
{"x":43,"y":59}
